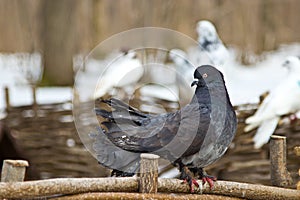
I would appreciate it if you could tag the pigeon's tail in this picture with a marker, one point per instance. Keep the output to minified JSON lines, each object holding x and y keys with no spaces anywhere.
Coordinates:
{"x":264,"y":132}
{"x":121,"y":119}
{"x":250,"y":127}
{"x":112,"y":156}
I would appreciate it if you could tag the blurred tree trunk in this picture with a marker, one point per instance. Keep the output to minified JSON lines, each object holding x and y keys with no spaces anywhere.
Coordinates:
{"x":20,"y":25}
{"x":59,"y":41}
{"x":68,"y":30}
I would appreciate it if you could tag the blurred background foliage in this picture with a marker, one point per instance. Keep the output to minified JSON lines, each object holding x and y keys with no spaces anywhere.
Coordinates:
{"x":60,"y":29}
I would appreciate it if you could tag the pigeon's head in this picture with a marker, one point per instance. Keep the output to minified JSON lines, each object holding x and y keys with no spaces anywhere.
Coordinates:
{"x":207,"y":74}
{"x":292,"y":63}
{"x":206,"y":32}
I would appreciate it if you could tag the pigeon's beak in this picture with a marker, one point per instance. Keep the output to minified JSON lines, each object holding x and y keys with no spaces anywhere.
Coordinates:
{"x":194,"y":83}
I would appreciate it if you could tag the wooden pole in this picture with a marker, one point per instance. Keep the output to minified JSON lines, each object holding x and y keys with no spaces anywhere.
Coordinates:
{"x":7,"y":100}
{"x":34,"y":103}
{"x":33,"y":88}
{"x":297,"y":152}
{"x":279,"y":173}
{"x":148,"y":173}
{"x":13,"y":170}
{"x":298,"y":184}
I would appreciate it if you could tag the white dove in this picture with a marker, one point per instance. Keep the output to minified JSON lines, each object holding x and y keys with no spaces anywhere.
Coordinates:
{"x":184,"y":70}
{"x":211,"y":44}
{"x":126,"y":70}
{"x":183,"y":67}
{"x":283,"y":99}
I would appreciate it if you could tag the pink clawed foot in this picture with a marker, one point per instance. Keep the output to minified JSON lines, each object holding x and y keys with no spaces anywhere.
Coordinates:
{"x":187,"y":177}
{"x":210,"y":180}
{"x":192,"y":182}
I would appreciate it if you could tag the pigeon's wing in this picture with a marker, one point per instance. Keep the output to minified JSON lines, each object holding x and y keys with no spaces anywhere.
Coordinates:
{"x":132,"y":130}
{"x":265,"y":110}
{"x":195,"y":125}
{"x":255,"y":120}
{"x":265,"y":131}
{"x":161,"y":134}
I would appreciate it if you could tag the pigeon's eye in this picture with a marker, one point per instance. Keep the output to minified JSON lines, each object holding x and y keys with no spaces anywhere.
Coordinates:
{"x":204,"y":75}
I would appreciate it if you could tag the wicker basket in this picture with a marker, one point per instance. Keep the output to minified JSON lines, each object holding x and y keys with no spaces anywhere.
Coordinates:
{"x":48,"y":139}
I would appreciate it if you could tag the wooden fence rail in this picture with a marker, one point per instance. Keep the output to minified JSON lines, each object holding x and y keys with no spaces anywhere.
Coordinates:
{"x":69,"y":186}
{"x":148,"y":184}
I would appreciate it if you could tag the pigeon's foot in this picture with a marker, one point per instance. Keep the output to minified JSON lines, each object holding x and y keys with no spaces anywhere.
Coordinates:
{"x":206,"y":178}
{"x":118,"y":173}
{"x":187,"y":177}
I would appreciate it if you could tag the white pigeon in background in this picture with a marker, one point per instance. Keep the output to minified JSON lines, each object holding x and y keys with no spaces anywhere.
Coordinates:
{"x":162,"y":83}
{"x":184,"y":75}
{"x":211,"y":45}
{"x":125,"y":70}
{"x":183,"y":66}
{"x":282,"y":100}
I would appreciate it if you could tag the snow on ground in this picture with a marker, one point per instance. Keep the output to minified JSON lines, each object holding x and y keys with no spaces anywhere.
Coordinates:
{"x":245,"y":83}
{"x":22,"y":95}
{"x":16,"y":71}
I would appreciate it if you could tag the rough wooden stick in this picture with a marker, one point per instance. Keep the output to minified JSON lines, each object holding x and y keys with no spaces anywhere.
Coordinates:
{"x":148,"y":173}
{"x":33,"y":88}
{"x":34,"y":103}
{"x":233,"y":189}
{"x":42,"y":188}
{"x":7,"y":100}
{"x":13,"y":170}
{"x":159,"y":196}
{"x":279,"y":173}
{"x":298,"y":184}
{"x":297,"y":152}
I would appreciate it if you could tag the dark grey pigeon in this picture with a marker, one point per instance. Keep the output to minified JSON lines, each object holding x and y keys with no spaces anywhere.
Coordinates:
{"x":191,"y":138}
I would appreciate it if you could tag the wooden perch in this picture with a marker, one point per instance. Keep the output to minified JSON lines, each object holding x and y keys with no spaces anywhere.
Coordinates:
{"x":13,"y":170}
{"x":43,"y":188}
{"x":159,"y":196}
{"x":298,"y":184}
{"x":7,"y":99}
{"x":34,"y":103}
{"x":148,"y":173}
{"x":279,"y":173}
{"x":297,"y":152}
